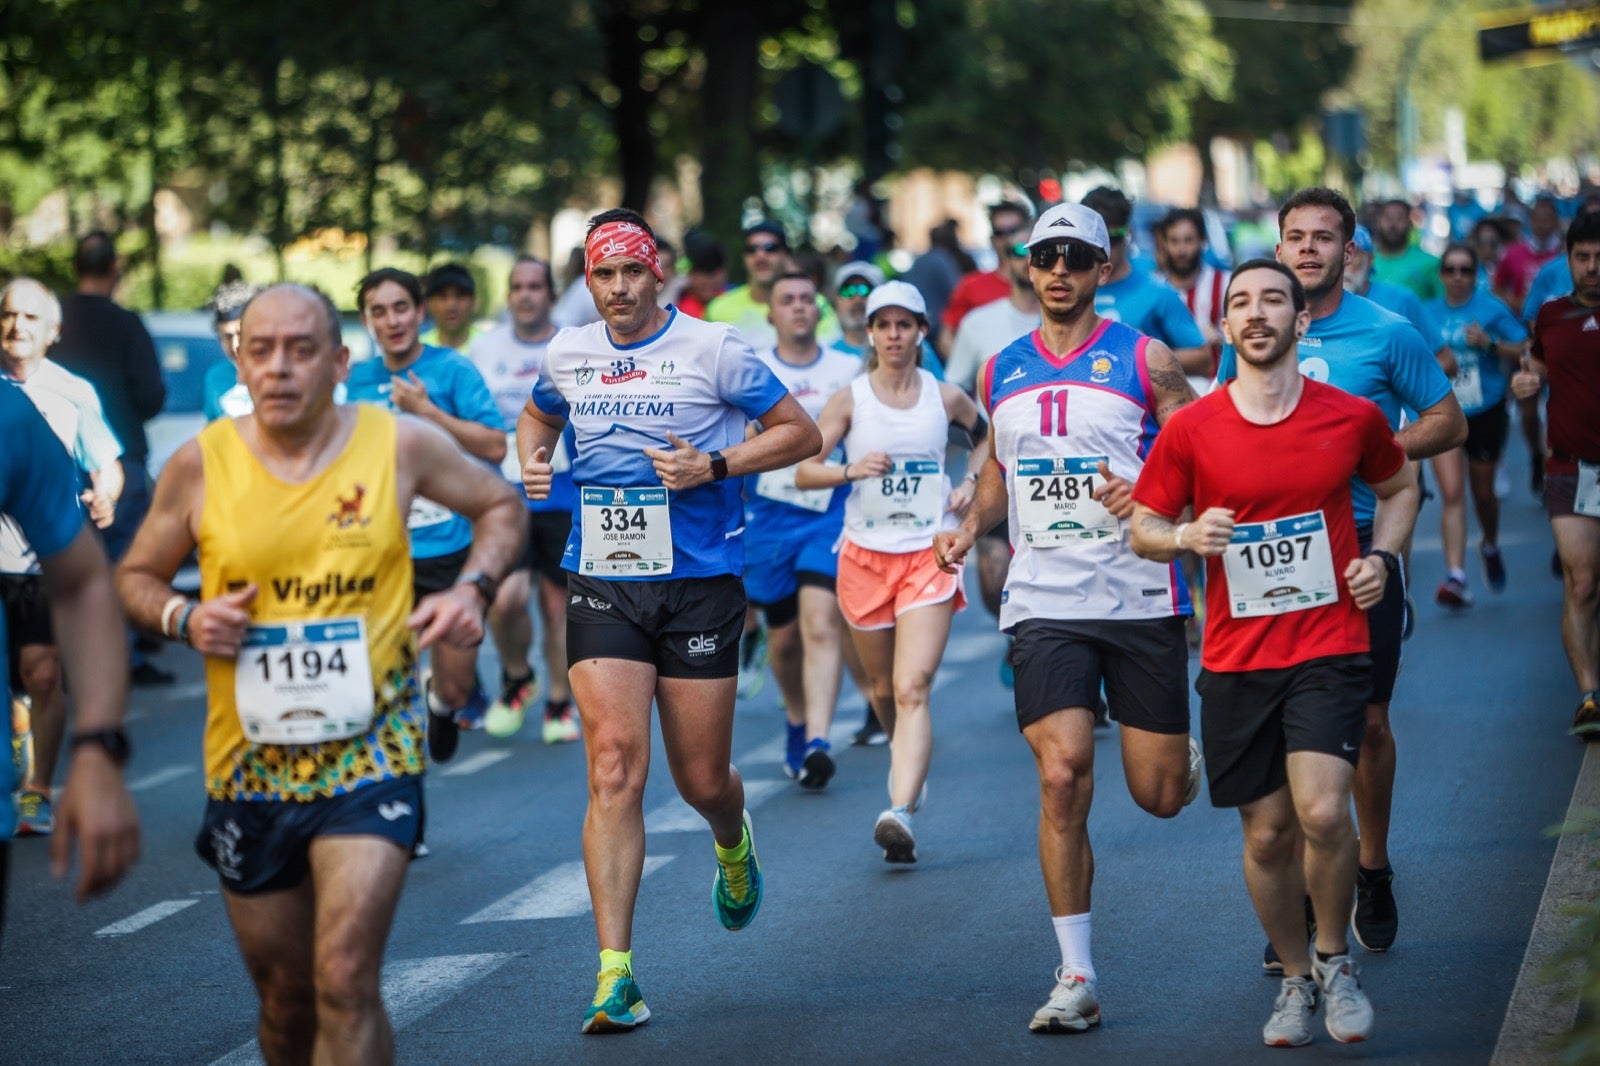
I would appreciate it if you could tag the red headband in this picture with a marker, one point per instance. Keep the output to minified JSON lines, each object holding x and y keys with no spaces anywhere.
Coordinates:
{"x":621,"y":239}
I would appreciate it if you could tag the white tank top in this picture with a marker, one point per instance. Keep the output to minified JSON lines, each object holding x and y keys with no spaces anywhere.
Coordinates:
{"x":900,"y":512}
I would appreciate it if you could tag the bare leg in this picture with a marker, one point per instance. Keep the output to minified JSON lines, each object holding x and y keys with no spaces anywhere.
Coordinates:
{"x":920,"y":636}
{"x":697,"y":731}
{"x":1063,"y":752}
{"x":511,"y":625}
{"x":1374,"y":787}
{"x":39,"y":670}
{"x":822,"y":637}
{"x":553,"y":613}
{"x":1578,"y":542}
{"x":1276,"y":877}
{"x":1156,"y":766}
{"x":1320,"y":787}
{"x":274,"y":931}
{"x":1484,"y":501}
{"x":784,"y":654}
{"x":1449,"y":470}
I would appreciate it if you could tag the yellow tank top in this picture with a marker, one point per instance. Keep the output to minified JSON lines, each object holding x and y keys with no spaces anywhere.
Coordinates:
{"x":332,"y":547}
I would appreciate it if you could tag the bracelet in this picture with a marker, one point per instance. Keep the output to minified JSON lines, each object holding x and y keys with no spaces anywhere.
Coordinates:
{"x":183,"y":621}
{"x":1177,"y":535}
{"x":847,"y":473}
{"x":177,"y":601}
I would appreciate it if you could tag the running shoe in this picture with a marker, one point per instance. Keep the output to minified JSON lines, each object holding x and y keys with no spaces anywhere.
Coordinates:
{"x":1586,"y":723}
{"x":736,"y":890}
{"x":506,"y":714}
{"x":476,"y":710}
{"x":893,"y":834}
{"x":1290,"y":1024}
{"x":1494,"y":567}
{"x":1197,"y":772}
{"x":443,"y":733}
{"x":149,"y":675}
{"x":1271,"y":965}
{"x":1374,"y":917}
{"x":818,"y":768}
{"x":1349,"y":1014}
{"x":753,"y":661}
{"x":34,"y":816}
{"x":618,"y":1004}
{"x":871,"y":733}
{"x":1453,"y":594}
{"x":560,"y":723}
{"x":1071,"y":1008}
{"x":794,"y":752}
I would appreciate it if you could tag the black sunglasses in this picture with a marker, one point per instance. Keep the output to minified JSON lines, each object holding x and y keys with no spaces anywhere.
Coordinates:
{"x":1079,"y":256}
{"x":763,"y":246}
{"x":1457,"y":268}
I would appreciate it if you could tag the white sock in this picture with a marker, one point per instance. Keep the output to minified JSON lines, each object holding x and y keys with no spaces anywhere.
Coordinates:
{"x":1072,"y":932}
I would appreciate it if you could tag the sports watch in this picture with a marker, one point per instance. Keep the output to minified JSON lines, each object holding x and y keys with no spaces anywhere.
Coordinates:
{"x":719,"y":467}
{"x":486,"y":585}
{"x":1391,"y":565}
{"x":112,"y":739}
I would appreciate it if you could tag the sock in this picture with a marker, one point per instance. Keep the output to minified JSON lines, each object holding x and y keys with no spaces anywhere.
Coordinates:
{"x":1457,"y":574}
{"x":819,"y":744}
{"x":1325,"y":957}
{"x":1375,"y":875}
{"x":506,"y":680}
{"x":736,"y":853}
{"x":1072,"y":933}
{"x":616,"y":960}
{"x":436,"y":707}
{"x":1491,"y":550}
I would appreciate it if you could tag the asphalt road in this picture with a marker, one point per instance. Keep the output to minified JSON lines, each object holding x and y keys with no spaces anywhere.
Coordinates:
{"x":492,"y":956}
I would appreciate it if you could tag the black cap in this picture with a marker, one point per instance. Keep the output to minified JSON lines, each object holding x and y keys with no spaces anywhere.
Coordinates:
{"x":768,"y":226}
{"x":705,"y":253}
{"x":449,"y":276}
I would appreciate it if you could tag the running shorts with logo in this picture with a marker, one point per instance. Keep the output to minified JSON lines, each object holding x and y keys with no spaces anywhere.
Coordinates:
{"x":688,"y":628}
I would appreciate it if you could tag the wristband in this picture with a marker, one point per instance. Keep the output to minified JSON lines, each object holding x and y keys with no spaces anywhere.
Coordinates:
{"x":1391,"y":565}
{"x":1177,"y":535}
{"x":182,"y":627}
{"x":847,"y":473}
{"x":177,"y":601}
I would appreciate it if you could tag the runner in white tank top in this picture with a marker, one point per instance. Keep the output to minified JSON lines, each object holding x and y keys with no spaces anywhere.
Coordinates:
{"x":894,"y":423}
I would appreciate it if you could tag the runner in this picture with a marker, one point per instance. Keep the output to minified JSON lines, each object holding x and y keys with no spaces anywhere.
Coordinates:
{"x":1181,"y":235}
{"x":744,"y":307}
{"x":1084,"y":611}
{"x":450,"y":294}
{"x":509,"y":357}
{"x":308,"y":632}
{"x":894,"y":422}
{"x":1397,"y":258}
{"x":224,"y":393}
{"x":1512,"y":280}
{"x":658,"y":403}
{"x":30,"y":318}
{"x":792,"y":544}
{"x":1485,"y":339}
{"x":1357,"y":346}
{"x":38,"y":492}
{"x":1008,"y":223}
{"x":444,"y":388}
{"x":1266,"y":464}
{"x":1566,"y":357}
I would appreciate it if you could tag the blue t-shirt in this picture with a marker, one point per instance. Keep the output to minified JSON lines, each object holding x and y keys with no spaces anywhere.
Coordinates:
{"x":1152,"y":307}
{"x":1480,"y":382}
{"x":1400,"y":301}
{"x":39,"y":489}
{"x":1372,"y":353}
{"x":1553,"y":280}
{"x":697,"y":380}
{"x":456,"y":386}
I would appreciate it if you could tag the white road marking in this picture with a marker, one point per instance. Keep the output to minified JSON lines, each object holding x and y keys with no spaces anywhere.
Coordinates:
{"x":149,"y":916}
{"x":676,"y":816}
{"x":411,"y":989}
{"x":160,"y":777}
{"x":481,"y":761}
{"x":561,"y":893}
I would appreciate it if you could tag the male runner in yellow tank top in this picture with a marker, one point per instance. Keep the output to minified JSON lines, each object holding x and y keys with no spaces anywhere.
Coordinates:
{"x":315,"y":735}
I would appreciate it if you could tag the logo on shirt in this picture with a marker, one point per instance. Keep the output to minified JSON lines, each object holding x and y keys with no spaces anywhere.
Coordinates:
{"x":1310,"y":342}
{"x":584,"y":374}
{"x":1591,"y":325}
{"x":1100,"y":368}
{"x":1315,"y":368}
{"x":624,"y":370}
{"x":347,"y":512}
{"x":1015,"y":375}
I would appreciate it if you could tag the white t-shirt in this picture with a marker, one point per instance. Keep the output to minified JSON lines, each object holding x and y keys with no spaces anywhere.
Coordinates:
{"x":982,"y":333}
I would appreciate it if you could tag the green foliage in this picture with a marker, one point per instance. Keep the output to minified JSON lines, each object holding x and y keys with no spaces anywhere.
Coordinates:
{"x":1281,"y":70}
{"x":1579,"y":963}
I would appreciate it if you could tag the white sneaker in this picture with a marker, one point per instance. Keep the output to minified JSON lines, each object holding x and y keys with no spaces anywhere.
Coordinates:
{"x":893,"y":834}
{"x":1197,"y":772}
{"x":1290,"y":1024}
{"x":1349,"y":1013}
{"x":1071,"y":1008}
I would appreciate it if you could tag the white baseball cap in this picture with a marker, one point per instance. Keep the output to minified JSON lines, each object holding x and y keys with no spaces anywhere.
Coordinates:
{"x":1072,"y":222}
{"x":860,"y":268}
{"x":896,"y":294}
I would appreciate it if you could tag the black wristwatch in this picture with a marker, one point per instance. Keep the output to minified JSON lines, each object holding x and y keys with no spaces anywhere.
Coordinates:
{"x":113,"y":740}
{"x":1391,"y":565}
{"x":486,"y":585}
{"x":719,"y":467}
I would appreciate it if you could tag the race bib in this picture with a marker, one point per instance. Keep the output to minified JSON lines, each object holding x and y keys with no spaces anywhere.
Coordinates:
{"x":1054,"y":501}
{"x":626,"y":532}
{"x":1468,"y":383}
{"x":1280,"y":566}
{"x":1587,"y":500}
{"x":424,"y":512}
{"x":779,"y":485}
{"x":511,"y":466}
{"x":910,"y":496}
{"x":304,"y":682}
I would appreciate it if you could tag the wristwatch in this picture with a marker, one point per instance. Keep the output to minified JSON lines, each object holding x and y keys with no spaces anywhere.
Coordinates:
{"x":719,"y":467}
{"x":486,"y":585}
{"x":112,"y":739}
{"x":1391,"y":565}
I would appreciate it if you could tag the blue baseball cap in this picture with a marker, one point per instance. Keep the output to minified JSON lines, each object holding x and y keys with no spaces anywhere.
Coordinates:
{"x":1363,"y":239}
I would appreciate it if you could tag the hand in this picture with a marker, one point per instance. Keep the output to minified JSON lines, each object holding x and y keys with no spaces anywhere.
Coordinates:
{"x":537,"y":474}
{"x":454,"y":617}
{"x":683,"y":466}
{"x":871,"y":465}
{"x":1476,"y":336}
{"x":1526,"y":383}
{"x":409,"y":394}
{"x":102,"y":508}
{"x":1114,"y":493}
{"x":1365,"y":578}
{"x":216,"y":626}
{"x":96,"y":810}
{"x":950,"y":547}
{"x":1210,"y":534}
{"x":961,"y":498}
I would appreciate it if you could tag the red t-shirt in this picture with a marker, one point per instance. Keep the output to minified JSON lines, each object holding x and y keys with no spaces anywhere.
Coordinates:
{"x":1515,"y":271}
{"x":1566,"y":339}
{"x":1208,"y":455}
{"x":971,"y":292}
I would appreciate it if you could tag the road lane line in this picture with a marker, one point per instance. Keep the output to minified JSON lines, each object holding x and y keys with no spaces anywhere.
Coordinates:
{"x":1541,"y":1010}
{"x":481,"y":761}
{"x":149,"y":916}
{"x":561,"y":893}
{"x":160,"y":777}
{"x":676,"y":816}
{"x":411,"y":989}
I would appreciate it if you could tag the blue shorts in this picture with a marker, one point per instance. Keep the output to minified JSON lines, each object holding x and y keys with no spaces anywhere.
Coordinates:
{"x":265,"y":845}
{"x":775,"y":559}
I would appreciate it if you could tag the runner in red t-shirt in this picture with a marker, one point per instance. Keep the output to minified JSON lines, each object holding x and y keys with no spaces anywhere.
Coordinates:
{"x":1566,"y":356}
{"x":1266,"y":463}
{"x":1009,"y":222}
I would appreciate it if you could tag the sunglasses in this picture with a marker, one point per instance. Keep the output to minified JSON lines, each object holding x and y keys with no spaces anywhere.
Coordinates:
{"x":1007,"y":234}
{"x":763,"y":246}
{"x":850,"y":292}
{"x":1461,"y":268}
{"x":1079,"y":256}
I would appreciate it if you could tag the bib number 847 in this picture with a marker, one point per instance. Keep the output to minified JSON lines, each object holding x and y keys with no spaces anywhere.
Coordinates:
{"x":905,"y":485}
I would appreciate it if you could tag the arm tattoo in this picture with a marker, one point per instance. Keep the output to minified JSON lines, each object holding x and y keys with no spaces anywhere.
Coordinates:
{"x":1171,"y":387}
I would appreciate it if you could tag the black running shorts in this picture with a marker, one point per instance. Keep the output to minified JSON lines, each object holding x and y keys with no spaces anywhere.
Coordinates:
{"x":1143,"y":664}
{"x":686,"y":627}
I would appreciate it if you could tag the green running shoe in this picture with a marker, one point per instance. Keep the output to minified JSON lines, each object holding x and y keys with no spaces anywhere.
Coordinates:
{"x":736,"y":892}
{"x":618,"y":1004}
